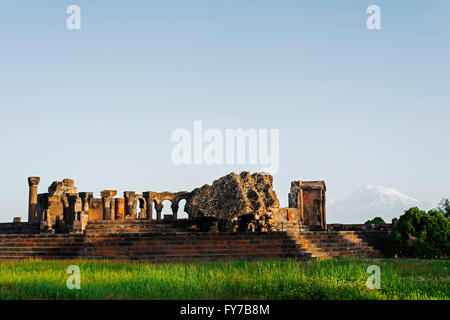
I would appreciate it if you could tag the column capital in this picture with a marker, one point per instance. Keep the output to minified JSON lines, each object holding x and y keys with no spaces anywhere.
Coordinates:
{"x":33,"y":181}
{"x":72,"y":197}
{"x":129,"y":195}
{"x":148,"y":194}
{"x":108,"y":193}
{"x":86,"y":194}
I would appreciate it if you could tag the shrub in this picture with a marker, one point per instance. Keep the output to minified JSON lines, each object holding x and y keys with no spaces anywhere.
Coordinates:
{"x":376,"y":220}
{"x":420,"y":234}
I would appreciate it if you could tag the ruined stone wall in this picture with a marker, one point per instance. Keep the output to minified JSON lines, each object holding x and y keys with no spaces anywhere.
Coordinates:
{"x":19,"y":228}
{"x":236,"y":202}
{"x":95,"y":209}
{"x":284,"y":219}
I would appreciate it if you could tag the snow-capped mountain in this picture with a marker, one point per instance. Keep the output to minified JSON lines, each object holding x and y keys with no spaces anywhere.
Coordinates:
{"x":372,"y":201}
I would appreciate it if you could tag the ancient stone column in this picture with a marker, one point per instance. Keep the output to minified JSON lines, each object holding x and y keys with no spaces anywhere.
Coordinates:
{"x":75,"y":204}
{"x":129,"y":196}
{"x":113,"y":209}
{"x":32,"y":199}
{"x":174,"y":207}
{"x":300,"y":205}
{"x":75,"y":208}
{"x":141,"y":206}
{"x":120,"y":208}
{"x":42,"y":204}
{"x":149,"y":200}
{"x":324,"y":211}
{"x":107,"y":196}
{"x":158,"y":207}
{"x":85,"y":198}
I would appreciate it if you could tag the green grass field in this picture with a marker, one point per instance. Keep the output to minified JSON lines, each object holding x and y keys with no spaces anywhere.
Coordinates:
{"x":280,"y":279}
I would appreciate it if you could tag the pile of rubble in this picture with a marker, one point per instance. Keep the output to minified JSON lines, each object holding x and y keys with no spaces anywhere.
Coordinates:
{"x":244,"y":202}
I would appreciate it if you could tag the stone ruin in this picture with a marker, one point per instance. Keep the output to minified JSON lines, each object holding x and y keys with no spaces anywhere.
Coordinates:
{"x":236,"y":202}
{"x":238,"y":216}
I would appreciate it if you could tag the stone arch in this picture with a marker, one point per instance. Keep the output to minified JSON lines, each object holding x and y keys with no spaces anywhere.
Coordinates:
{"x":180,"y":196}
{"x":177,"y":197}
{"x":157,"y":199}
{"x":140,"y":205}
{"x":158,"y":208}
{"x":162,"y":196}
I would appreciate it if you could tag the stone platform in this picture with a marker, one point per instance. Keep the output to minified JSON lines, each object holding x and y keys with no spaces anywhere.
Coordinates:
{"x":147,"y":241}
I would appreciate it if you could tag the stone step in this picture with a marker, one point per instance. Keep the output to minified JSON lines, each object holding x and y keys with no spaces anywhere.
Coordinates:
{"x":184,"y":257}
{"x":168,"y":250}
{"x":164,"y":242}
{"x":42,"y":253}
{"x":134,"y":231}
{"x":40,"y":257}
{"x":121,"y":226}
{"x":105,"y":252}
{"x":337,"y":244}
{"x":57,"y":240}
{"x":327,"y":257}
{"x":45,"y":249}
{"x":183,"y":238}
{"x":329,"y":250}
{"x":179,"y":238}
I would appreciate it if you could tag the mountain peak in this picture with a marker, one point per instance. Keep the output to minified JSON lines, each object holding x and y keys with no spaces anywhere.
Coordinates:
{"x":387,"y":192}
{"x":371,"y":201}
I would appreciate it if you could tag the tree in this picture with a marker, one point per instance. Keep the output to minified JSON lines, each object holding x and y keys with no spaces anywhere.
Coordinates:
{"x":376,"y":220}
{"x":420,"y":234}
{"x":444,"y":207}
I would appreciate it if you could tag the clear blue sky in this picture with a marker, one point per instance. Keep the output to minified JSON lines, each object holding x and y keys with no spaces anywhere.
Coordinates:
{"x":354,"y":106}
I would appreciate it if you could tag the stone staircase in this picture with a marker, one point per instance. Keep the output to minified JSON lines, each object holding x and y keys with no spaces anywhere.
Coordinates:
{"x":163,"y":242}
{"x":338,"y":244}
{"x":194,"y":246}
{"x":133,"y":226}
{"x":150,"y":246}
{"x":45,"y":246}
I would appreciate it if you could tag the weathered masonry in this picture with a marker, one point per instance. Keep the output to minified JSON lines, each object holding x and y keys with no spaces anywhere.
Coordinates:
{"x":236,"y":217}
{"x":309,"y":198}
{"x":64,"y":209}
